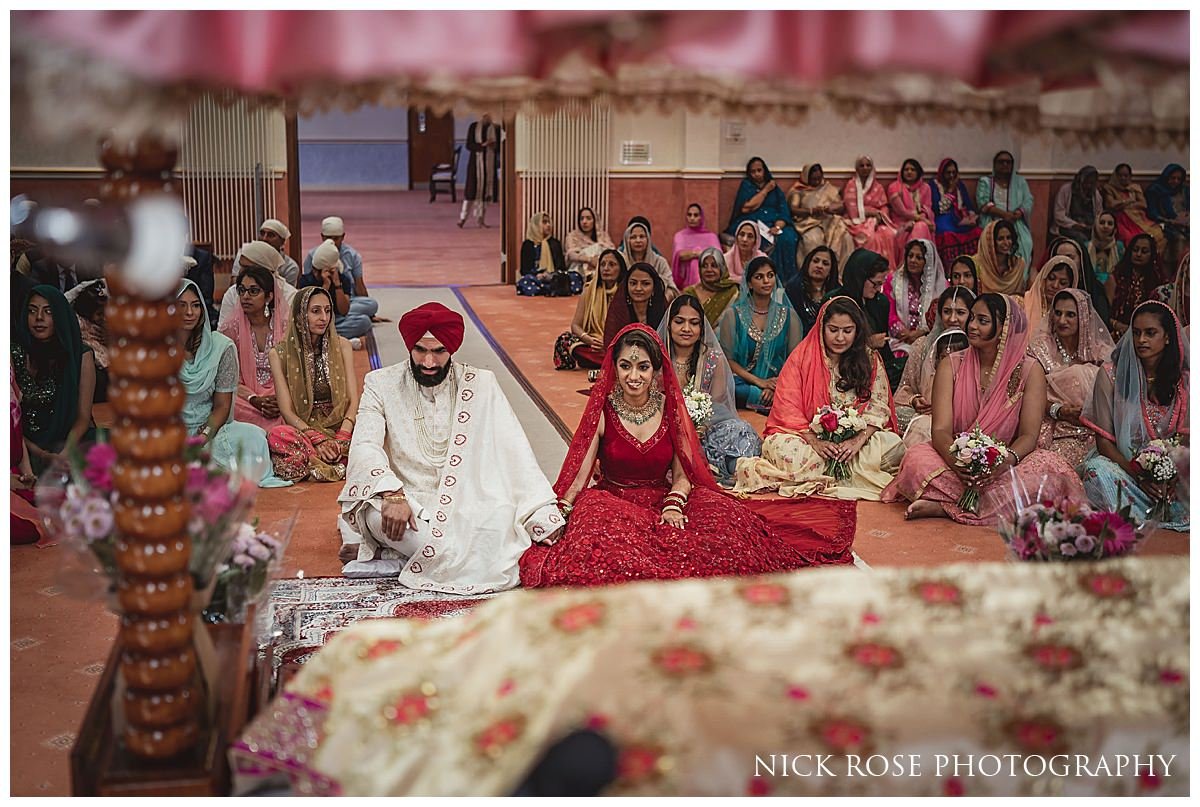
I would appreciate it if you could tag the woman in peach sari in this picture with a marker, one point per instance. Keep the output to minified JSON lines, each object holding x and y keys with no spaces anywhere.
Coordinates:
{"x":911,"y":201}
{"x":818,"y":214}
{"x":867,"y":211}
{"x":1000,"y":268}
{"x":1071,"y":344}
{"x":1056,"y":274}
{"x":992,"y":385}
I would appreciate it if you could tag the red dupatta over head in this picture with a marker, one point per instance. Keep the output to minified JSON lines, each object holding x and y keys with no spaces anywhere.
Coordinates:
{"x":683,"y":433}
{"x":803,"y":384}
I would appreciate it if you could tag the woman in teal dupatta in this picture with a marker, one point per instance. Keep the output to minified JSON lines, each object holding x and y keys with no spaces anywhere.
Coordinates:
{"x":1004,"y":194}
{"x":758,"y":332}
{"x":759,"y":198}
{"x":210,"y":378}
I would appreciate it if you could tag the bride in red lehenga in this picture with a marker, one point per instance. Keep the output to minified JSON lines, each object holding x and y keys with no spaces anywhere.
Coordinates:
{"x":655,"y":511}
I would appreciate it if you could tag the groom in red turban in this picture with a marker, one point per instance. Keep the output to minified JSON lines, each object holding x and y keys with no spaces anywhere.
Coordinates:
{"x":432,"y":333}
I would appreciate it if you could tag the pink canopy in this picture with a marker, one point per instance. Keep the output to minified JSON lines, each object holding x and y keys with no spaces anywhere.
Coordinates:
{"x":745,"y":62}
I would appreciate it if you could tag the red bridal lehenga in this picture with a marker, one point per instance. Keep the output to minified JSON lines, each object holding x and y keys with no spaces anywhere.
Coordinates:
{"x":613,"y":534}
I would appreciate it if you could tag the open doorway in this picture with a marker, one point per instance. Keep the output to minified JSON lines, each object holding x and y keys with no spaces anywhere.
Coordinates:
{"x":373,"y":168}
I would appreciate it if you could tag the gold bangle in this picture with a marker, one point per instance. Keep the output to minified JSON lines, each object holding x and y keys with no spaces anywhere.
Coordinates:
{"x":395,"y":496}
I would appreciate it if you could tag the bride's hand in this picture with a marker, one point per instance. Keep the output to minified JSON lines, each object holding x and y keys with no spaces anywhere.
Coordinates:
{"x":553,"y":537}
{"x":674,"y":518}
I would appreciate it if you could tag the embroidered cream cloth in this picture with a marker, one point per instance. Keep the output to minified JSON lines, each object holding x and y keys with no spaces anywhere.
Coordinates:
{"x":692,"y":679}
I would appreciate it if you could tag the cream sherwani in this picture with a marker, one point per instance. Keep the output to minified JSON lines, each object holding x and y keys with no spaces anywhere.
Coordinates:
{"x":461,"y":457}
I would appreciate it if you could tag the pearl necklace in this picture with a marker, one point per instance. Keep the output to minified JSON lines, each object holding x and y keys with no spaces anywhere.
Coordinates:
{"x":637,"y":415}
{"x":434,"y":451}
{"x":1062,"y":351}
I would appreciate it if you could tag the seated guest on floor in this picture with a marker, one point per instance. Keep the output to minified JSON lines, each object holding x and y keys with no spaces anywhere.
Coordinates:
{"x":276,"y":233}
{"x":1177,"y":295}
{"x":641,"y":297}
{"x":818,"y":214}
{"x":915,"y":285}
{"x":1071,"y":343}
{"x":914,"y":396}
{"x":962,"y":273}
{"x":1004,"y":195}
{"x":1139,"y":396}
{"x":863,"y":281}
{"x":1055,"y":275}
{"x":1168,"y":206}
{"x":636,"y":247}
{"x":210,"y":379}
{"x":1126,"y":199}
{"x":760,"y":199}
{"x":744,"y":249}
{"x":956,"y":221}
{"x":716,"y":289}
{"x":910,"y":203}
{"x":1134,"y":281}
{"x":687,"y":246}
{"x":334,"y":229}
{"x":264,"y":256}
{"x":583,"y":345}
{"x":1085,"y":273}
{"x":816,"y":281}
{"x":1077,"y":204}
{"x":312,"y":369}
{"x":700,"y":363}
{"x":656,"y":511}
{"x":543,"y":267}
{"x":832,"y":367}
{"x":56,"y":374}
{"x":995,"y":386}
{"x":350,"y":317}
{"x":1001,"y":269}
{"x":89,"y":300}
{"x":423,"y":498}
{"x":259,"y":324}
{"x":867,"y":211}
{"x":586,"y":243}
{"x":1104,"y":250}
{"x":758,"y":332}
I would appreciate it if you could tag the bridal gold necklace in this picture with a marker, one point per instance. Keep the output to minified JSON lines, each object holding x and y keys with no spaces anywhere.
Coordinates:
{"x":637,"y":415}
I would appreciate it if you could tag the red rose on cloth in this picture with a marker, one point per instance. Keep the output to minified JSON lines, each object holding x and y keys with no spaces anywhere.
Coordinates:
{"x":1108,"y":585}
{"x":1055,"y":657}
{"x":829,"y":422}
{"x":578,"y":617}
{"x":938,"y":593}
{"x":1170,"y":677}
{"x":637,"y":763}
{"x":1038,"y":735}
{"x":682,"y":660}
{"x":843,"y":736}
{"x":765,"y":594}
{"x":875,"y":656}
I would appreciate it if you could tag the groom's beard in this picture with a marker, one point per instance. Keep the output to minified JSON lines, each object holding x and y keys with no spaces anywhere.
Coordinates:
{"x":426,"y":380}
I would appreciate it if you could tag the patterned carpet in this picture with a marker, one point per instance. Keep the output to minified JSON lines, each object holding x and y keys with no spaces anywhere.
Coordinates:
{"x":301,"y":615}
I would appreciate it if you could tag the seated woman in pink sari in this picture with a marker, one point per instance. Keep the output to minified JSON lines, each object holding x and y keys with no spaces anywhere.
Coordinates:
{"x":911,"y":203}
{"x":1071,"y":343}
{"x":867,"y":211}
{"x":255,"y":327}
{"x":744,"y":249}
{"x":313,"y":369}
{"x":994,"y":385}
{"x":914,"y":396}
{"x":687,"y":246}
{"x":635,"y":487}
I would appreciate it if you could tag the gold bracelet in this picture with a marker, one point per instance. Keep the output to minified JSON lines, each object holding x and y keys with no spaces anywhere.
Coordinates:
{"x":395,"y":496}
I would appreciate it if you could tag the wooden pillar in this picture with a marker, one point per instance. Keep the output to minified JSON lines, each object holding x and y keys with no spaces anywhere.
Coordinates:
{"x":163,"y":697}
{"x":292,"y":136}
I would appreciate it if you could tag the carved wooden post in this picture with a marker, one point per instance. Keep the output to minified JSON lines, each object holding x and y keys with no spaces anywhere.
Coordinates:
{"x":162,"y":700}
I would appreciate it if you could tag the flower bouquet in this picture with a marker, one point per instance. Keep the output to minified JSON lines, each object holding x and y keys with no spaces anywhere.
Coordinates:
{"x":699,"y":405}
{"x":1053,"y":531}
{"x":978,"y":454}
{"x":242,"y":579}
{"x":1154,"y":463}
{"x":76,"y":498}
{"x":836,"y":424}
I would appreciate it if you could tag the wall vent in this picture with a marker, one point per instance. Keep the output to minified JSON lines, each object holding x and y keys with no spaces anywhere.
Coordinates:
{"x":635,"y":153}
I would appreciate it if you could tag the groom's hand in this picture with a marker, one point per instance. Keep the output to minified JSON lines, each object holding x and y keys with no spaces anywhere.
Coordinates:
{"x":397,"y":517}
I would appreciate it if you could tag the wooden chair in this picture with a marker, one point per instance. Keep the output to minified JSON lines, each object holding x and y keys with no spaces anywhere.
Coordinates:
{"x":444,"y":174}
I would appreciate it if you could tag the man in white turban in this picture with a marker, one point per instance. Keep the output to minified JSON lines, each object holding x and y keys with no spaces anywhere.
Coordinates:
{"x":254,"y":253}
{"x":348,"y":325}
{"x":330,"y":273}
{"x":276,"y":233}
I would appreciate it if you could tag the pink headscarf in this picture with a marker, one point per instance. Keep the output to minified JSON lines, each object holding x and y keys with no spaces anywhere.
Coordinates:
{"x":687,"y":273}
{"x":996,"y":411}
{"x":245,"y":337}
{"x":733,"y":258}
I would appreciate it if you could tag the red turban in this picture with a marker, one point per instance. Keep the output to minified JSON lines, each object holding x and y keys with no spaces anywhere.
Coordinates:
{"x":445,"y":325}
